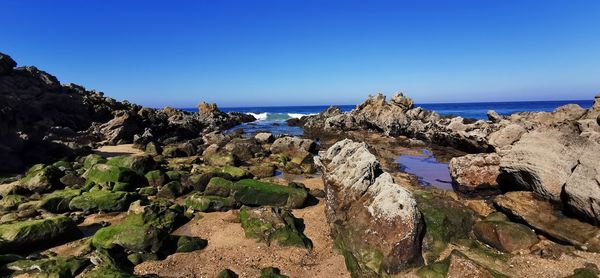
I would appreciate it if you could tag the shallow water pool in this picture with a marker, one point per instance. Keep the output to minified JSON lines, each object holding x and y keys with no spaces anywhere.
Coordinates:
{"x":429,"y":171}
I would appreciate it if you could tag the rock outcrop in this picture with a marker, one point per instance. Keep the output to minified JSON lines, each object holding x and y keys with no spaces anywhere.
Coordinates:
{"x":374,"y":221}
{"x":476,"y":173}
{"x":41,"y":119}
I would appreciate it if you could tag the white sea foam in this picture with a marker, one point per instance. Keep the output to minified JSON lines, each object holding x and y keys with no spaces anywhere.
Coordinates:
{"x":260,"y":116}
{"x":298,"y":115}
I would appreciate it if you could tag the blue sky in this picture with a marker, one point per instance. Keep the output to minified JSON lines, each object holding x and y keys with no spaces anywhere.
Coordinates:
{"x":280,"y":52}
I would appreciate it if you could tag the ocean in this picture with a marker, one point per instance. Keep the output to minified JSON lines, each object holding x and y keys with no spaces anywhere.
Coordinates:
{"x":272,"y":119}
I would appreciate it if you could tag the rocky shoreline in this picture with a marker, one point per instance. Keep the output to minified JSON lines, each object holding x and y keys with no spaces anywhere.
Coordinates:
{"x":185,"y":199}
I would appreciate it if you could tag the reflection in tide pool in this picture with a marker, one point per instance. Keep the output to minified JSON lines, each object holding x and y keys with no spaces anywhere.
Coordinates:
{"x":429,"y":171}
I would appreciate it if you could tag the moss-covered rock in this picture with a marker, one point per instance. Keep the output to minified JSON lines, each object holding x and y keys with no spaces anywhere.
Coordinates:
{"x":92,"y":160}
{"x":218,"y":186}
{"x":205,"y":203}
{"x":228,"y":172}
{"x":583,"y":273}
{"x":263,"y":170}
{"x":504,"y":235}
{"x":189,"y":244}
{"x":171,"y":190}
{"x":140,"y":164}
{"x":101,"y":200}
{"x":139,"y":232}
{"x":446,"y":220}
{"x":109,"y":264}
{"x":60,"y":266}
{"x":72,"y":180}
{"x":271,"y":272}
{"x":18,"y":236}
{"x":257,"y":193}
{"x":156,"y":178}
{"x":227,"y":273}
{"x":270,"y":224}
{"x":10,"y":202}
{"x":138,"y":258}
{"x":58,"y":201}
{"x":108,"y":175}
{"x":147,"y":191}
{"x":63,"y":165}
{"x":41,"y":178}
{"x":175,"y":175}
{"x":221,"y":160}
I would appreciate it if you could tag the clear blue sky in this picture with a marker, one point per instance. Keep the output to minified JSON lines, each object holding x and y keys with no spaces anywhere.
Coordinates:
{"x":280,"y":52}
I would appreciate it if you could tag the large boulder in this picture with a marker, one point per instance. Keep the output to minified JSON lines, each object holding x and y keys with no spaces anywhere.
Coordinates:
{"x":476,"y":173}
{"x":542,"y":217}
{"x":41,"y":178}
{"x":541,"y":161}
{"x":24,"y":235}
{"x":582,"y":189}
{"x":376,"y":222}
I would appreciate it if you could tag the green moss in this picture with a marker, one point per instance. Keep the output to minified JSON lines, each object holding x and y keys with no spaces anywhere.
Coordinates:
{"x":209,"y":203}
{"x":103,"y":174}
{"x":273,"y":224}
{"x":361,"y":259}
{"x":58,"y":201}
{"x":219,"y":187}
{"x":257,"y":193}
{"x":171,"y":190}
{"x":101,"y":200}
{"x":147,"y":191}
{"x":138,"y":258}
{"x":189,"y":244}
{"x":221,"y":160}
{"x":41,"y":231}
{"x":271,"y":272}
{"x":10,"y":202}
{"x":144,"y":232}
{"x":156,"y":178}
{"x":41,"y":178}
{"x":137,"y":163}
{"x":123,"y":186}
{"x":175,"y":175}
{"x":227,"y":273}
{"x":583,"y":273}
{"x":446,"y":221}
{"x":50,"y":267}
{"x":92,"y":160}
{"x":435,"y":270}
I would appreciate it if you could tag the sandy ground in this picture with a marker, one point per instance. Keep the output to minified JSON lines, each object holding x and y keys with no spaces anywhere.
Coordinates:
{"x":229,"y":248}
{"x":125,"y":149}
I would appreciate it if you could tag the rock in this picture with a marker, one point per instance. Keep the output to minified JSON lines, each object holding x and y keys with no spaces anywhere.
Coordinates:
{"x":171,"y":190}
{"x":189,"y":244}
{"x":121,"y":128}
{"x":101,"y":200}
{"x":476,"y":173}
{"x":256,"y":193}
{"x":584,"y":273}
{"x":221,"y":159}
{"x":461,"y":266}
{"x":376,"y":222}
{"x":582,"y":188}
{"x":139,"y":232}
{"x":243,"y":149}
{"x":227,"y":273}
{"x":58,"y":201}
{"x":41,"y":178}
{"x":447,"y":221}
{"x":218,"y":186}
{"x":401,"y":101}
{"x":156,"y":178}
{"x":23,"y":235}
{"x":271,"y":224}
{"x":103,"y":174}
{"x":271,"y":272}
{"x":10,"y":202}
{"x":140,"y":164}
{"x":506,"y":136}
{"x":92,"y":160}
{"x":180,"y":150}
{"x":230,"y":172}
{"x":494,"y":117}
{"x":72,"y":180}
{"x":500,"y":233}
{"x":264,"y":137}
{"x":541,"y":216}
{"x":264,"y":170}
{"x":60,"y":266}
{"x":204,"y":203}
{"x":6,"y":64}
{"x":541,"y":161}
{"x":291,"y":145}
